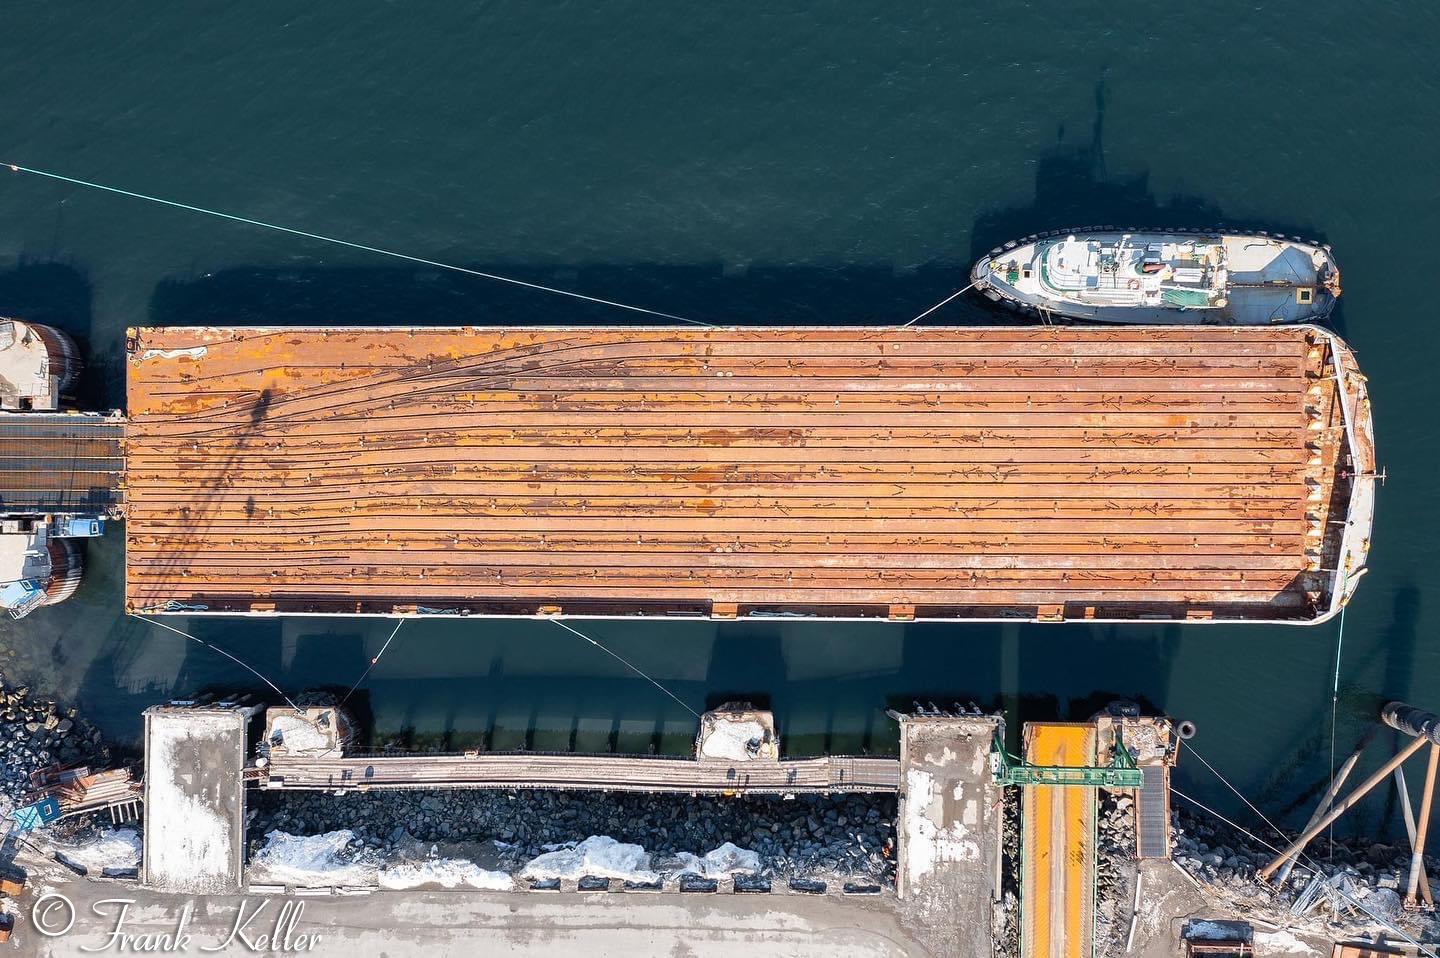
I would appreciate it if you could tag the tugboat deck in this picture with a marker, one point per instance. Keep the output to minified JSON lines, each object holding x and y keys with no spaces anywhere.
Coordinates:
{"x":948,"y":473}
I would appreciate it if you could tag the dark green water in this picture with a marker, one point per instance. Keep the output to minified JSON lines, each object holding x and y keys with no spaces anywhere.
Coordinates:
{"x":791,"y":164}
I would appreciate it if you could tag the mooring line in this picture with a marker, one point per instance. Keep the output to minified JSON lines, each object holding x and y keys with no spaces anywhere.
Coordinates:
{"x":373,"y":662}
{"x":1243,"y":831}
{"x":628,"y":665}
{"x":17,"y":168}
{"x":1334,"y":710}
{"x":955,"y":295}
{"x":1237,"y":792}
{"x":216,"y":648}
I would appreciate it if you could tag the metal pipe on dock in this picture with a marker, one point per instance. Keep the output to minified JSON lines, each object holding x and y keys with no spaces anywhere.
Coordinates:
{"x":1404,"y":795}
{"x":1417,"y":854}
{"x":1335,"y":785}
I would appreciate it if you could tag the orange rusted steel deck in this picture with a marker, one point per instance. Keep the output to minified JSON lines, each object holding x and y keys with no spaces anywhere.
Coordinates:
{"x":946,"y":473}
{"x":1057,"y":911}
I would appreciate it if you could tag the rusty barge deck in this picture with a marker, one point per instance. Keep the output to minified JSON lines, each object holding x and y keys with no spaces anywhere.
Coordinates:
{"x":928,"y":473}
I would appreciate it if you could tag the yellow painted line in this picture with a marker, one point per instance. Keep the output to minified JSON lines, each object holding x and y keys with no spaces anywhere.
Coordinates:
{"x":1059,"y":853}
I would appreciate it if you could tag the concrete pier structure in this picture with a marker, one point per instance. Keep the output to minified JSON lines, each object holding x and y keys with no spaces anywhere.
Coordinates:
{"x":724,"y":764}
{"x":949,"y":831}
{"x":195,"y":798}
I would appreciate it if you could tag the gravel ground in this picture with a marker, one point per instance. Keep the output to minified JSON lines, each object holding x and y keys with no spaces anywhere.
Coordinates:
{"x":1007,"y":932}
{"x":1115,"y":867}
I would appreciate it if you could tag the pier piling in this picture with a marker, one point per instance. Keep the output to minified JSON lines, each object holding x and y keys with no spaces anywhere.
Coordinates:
{"x":1425,"y":727}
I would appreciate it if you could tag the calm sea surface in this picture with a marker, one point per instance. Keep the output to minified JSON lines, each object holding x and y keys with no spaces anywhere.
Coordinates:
{"x":790,"y":163}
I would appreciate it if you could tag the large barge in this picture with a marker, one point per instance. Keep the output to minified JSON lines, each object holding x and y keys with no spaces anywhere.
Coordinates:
{"x":1085,"y":473}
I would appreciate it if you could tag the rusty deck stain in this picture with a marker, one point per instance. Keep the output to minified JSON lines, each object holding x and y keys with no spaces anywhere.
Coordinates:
{"x":950,"y":473}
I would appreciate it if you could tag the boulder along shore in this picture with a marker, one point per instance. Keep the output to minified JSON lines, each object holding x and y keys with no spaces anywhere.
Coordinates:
{"x":36,"y":733}
{"x":849,"y":837}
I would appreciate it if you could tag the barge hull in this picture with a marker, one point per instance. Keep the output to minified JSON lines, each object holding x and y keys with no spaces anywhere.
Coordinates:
{"x":1186,"y":474}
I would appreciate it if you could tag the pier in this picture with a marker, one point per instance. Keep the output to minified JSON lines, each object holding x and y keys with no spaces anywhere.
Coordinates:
{"x":61,"y":464}
{"x":953,"y":780}
{"x":1177,"y":473}
{"x":619,"y":773}
{"x":321,"y":762}
{"x":194,"y":797}
{"x":949,"y":853}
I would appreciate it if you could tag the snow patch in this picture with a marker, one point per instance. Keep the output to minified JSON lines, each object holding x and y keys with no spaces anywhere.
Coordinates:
{"x":598,"y":855}
{"x":333,"y":858}
{"x":1281,"y":943}
{"x":730,"y":740}
{"x":446,"y":872}
{"x":114,"y":848}
{"x":195,"y":352}
{"x":721,"y":862}
{"x":928,"y":843}
{"x":299,"y":736}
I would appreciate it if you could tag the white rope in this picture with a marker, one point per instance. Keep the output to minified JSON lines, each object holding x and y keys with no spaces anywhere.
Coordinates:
{"x":17,"y":168}
{"x":1232,"y":788}
{"x":373,"y":662}
{"x":947,"y":299}
{"x":216,"y":648}
{"x":628,"y":665}
{"x":1243,"y":831}
{"x":1334,"y":709}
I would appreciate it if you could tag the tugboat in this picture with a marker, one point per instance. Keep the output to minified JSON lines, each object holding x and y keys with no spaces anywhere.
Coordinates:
{"x":1109,"y":275}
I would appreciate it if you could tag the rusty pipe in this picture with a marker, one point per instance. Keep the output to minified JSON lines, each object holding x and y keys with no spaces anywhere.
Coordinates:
{"x":1417,"y":854}
{"x":1324,"y":804}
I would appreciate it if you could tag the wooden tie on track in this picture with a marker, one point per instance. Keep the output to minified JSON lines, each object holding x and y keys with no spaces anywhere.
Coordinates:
{"x":950,"y":473}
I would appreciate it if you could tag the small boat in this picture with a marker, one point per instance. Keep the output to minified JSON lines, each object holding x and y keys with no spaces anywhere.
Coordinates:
{"x":1109,"y":275}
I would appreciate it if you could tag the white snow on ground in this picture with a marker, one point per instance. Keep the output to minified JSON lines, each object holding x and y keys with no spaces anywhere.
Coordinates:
{"x":930,"y":842}
{"x":333,"y":858}
{"x":719,"y":863}
{"x":298,"y":735}
{"x":598,"y":855}
{"x":727,"y":740}
{"x":729,"y":859}
{"x":447,"y":872}
{"x":193,"y":353}
{"x":603,"y":857}
{"x":1281,"y":943}
{"x":192,"y":844}
{"x":114,"y":848}
{"x":338,"y":858}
